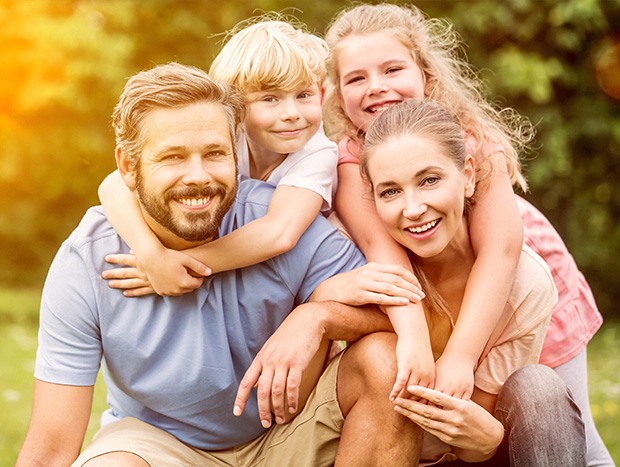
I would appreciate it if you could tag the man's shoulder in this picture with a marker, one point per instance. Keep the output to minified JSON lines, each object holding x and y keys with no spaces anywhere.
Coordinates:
{"x":93,"y":226}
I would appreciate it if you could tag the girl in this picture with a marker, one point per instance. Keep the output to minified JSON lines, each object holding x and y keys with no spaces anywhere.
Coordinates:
{"x":383,"y":54}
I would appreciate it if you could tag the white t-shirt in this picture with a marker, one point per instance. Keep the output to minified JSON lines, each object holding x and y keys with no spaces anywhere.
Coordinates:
{"x":313,"y":167}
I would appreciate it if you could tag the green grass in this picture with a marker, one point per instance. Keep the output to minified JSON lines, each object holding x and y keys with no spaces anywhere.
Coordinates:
{"x":18,"y":326}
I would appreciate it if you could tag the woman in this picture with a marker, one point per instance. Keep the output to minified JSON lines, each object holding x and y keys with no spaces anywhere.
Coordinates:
{"x":423,"y":184}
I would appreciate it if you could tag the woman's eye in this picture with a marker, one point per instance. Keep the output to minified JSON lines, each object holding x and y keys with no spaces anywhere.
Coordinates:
{"x":430,"y":180}
{"x":388,"y":193}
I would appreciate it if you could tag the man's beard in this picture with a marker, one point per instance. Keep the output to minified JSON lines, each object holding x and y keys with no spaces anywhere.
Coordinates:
{"x":192,"y":227}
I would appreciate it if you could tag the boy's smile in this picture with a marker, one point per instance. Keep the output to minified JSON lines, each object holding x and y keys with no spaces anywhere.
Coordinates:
{"x":281,"y":122}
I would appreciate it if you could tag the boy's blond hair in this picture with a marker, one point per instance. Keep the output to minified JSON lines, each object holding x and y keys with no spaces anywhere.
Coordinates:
{"x":267,"y":52}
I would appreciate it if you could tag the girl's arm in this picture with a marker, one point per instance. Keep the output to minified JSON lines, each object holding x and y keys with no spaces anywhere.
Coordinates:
{"x":357,"y":211}
{"x":169,"y":272}
{"x":496,"y":233}
{"x":291,"y":211}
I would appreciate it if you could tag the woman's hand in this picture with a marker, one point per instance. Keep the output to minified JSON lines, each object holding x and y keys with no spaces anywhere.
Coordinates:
{"x":460,"y":423}
{"x":373,"y":283}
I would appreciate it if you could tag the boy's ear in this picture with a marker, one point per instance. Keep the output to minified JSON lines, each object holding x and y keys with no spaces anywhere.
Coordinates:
{"x":470,"y":176}
{"x":125,"y":168}
{"x":323,"y":90}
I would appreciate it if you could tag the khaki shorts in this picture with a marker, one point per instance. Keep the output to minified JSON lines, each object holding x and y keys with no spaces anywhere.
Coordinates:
{"x":310,"y":439}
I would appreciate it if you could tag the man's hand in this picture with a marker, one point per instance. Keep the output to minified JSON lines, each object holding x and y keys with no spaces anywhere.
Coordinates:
{"x":278,"y":367}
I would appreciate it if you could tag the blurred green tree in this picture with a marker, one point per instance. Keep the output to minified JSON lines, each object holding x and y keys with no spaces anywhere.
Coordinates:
{"x":63,"y":64}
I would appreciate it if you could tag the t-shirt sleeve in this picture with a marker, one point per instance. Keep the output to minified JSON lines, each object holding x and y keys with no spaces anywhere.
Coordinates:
{"x":518,"y":339}
{"x":69,"y":349}
{"x":313,"y":168}
{"x":321,"y":252}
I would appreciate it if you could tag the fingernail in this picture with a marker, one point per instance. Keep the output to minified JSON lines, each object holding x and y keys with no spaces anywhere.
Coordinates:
{"x":279,"y":420}
{"x":265,"y":423}
{"x":236,"y":410}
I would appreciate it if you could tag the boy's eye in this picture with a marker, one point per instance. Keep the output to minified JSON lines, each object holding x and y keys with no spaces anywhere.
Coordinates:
{"x":304,"y":95}
{"x":269,"y":99}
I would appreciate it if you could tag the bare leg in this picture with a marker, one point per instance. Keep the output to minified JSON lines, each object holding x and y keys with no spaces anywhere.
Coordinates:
{"x":373,"y":433}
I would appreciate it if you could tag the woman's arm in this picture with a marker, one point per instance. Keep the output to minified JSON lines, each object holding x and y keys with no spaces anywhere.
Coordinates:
{"x":496,"y":233}
{"x":291,"y":211}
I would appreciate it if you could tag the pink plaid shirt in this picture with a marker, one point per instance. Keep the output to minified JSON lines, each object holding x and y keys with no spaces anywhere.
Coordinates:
{"x":576,"y":317}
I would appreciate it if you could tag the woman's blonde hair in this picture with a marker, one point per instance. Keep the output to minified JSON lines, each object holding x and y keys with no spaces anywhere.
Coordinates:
{"x":266,"y":52}
{"x":450,"y":81}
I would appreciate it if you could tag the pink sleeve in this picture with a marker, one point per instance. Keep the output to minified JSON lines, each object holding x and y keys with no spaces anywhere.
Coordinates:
{"x":576,"y":317}
{"x":346,"y":149}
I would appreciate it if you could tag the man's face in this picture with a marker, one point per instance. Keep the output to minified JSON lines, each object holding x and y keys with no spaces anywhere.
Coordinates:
{"x":186,"y":177}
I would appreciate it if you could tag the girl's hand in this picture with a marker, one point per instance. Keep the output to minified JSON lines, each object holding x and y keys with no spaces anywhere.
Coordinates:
{"x":454,"y":377}
{"x":374,"y":283}
{"x":415,"y":366}
{"x":457,"y":422}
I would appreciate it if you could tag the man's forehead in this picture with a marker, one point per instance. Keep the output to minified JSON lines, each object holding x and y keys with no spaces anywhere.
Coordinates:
{"x":204,"y":123}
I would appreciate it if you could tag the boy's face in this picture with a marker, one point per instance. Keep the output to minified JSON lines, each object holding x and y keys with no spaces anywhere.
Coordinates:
{"x":280,"y":122}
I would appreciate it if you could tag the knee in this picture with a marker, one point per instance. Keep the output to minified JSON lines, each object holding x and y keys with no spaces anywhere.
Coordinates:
{"x":373,"y":358}
{"x":534,"y":390}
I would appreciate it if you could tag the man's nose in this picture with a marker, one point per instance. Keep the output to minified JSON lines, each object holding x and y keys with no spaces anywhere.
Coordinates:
{"x":196,"y":171}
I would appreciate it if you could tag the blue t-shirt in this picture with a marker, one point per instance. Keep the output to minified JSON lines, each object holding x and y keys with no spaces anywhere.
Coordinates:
{"x":176,"y":362}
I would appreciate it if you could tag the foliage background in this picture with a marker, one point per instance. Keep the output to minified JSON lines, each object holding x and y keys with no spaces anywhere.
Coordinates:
{"x":63,"y":64}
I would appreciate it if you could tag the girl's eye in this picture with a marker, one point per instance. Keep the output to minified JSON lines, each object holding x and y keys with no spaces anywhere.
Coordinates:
{"x":304,"y":95}
{"x":393,"y":69}
{"x":354,"y":79}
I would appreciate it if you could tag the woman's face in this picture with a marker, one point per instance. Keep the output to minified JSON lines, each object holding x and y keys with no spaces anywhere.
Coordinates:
{"x":376,"y":71}
{"x":420,"y":193}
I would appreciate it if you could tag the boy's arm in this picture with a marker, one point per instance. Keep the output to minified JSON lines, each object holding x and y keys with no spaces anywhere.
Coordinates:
{"x":58,"y":423}
{"x":496,"y":233}
{"x":291,"y":211}
{"x":168,"y":271}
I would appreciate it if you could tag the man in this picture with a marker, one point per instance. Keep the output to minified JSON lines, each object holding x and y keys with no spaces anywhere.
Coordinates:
{"x":173,"y":365}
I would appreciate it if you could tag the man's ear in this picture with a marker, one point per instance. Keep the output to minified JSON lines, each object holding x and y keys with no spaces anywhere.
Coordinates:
{"x":470,"y":176}
{"x":125,"y":168}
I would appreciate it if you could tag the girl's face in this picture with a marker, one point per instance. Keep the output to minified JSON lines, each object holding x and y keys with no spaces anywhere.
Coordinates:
{"x":420,"y":193}
{"x":376,"y":71}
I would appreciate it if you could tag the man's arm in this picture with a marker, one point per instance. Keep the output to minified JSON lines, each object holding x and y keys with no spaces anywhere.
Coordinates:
{"x":278,"y":368}
{"x":58,"y":423}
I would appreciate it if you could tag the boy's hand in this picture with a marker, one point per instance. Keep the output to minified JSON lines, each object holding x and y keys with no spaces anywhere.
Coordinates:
{"x":454,"y":377}
{"x":416,"y":366}
{"x":173,"y":273}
